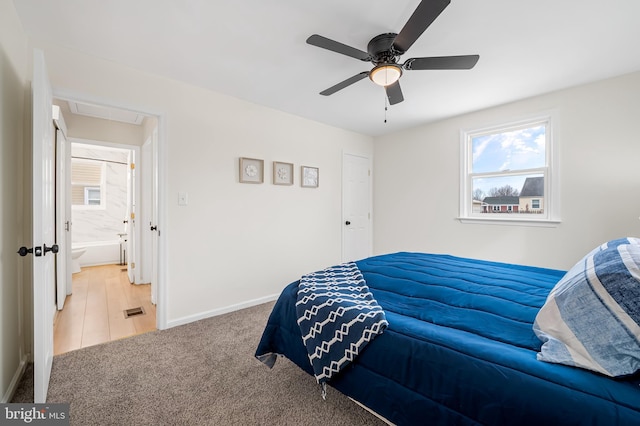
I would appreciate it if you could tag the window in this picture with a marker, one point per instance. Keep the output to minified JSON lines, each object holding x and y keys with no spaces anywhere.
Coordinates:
{"x":87,"y":183}
{"x":508,"y":171}
{"x":91,"y":195}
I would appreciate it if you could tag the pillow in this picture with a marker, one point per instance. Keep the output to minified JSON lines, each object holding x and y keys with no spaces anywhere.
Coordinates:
{"x":591,"y":318}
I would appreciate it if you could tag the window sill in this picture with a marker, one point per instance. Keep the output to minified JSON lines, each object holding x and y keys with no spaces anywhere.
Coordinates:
{"x":547,"y":223}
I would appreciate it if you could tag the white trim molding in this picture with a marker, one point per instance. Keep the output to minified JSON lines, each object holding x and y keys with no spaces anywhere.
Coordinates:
{"x":221,"y":311}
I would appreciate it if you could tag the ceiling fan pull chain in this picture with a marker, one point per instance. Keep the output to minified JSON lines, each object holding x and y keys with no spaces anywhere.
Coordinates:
{"x":385,"y":109}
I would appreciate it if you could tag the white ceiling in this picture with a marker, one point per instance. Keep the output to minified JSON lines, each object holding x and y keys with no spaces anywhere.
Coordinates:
{"x":255,"y":49}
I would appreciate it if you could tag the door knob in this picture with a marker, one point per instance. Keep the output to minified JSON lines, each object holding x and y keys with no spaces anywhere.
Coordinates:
{"x":37,"y":251}
{"x":154,"y":228}
{"x":23,"y":251}
{"x":347,"y":223}
{"x":53,"y":249}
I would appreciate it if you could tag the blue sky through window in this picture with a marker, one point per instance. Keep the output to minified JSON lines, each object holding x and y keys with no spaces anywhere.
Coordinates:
{"x":514,"y":150}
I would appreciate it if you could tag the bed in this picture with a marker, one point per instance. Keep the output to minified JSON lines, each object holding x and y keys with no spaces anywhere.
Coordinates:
{"x":460,"y":349}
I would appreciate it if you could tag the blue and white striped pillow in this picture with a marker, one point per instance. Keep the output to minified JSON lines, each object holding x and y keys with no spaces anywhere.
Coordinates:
{"x":591,"y":318}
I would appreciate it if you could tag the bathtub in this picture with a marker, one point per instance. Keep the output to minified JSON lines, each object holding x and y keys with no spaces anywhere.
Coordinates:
{"x":99,"y":252}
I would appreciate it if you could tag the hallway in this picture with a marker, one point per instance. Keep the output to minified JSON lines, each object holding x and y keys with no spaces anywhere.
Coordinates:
{"x":95,"y":312}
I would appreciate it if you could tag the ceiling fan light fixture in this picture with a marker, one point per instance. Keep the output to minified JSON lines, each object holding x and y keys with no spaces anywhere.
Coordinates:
{"x":385,"y":74}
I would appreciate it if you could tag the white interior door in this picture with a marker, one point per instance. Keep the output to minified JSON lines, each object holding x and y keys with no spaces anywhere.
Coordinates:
{"x":43,"y":222}
{"x":148,"y":214}
{"x":145,"y":212}
{"x":68,"y":223}
{"x":356,"y":207}
{"x":63,"y":219}
{"x":154,"y":217}
{"x":131,"y":218}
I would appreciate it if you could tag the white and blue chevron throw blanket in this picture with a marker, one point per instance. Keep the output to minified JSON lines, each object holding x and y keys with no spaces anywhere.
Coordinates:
{"x":338,"y":317}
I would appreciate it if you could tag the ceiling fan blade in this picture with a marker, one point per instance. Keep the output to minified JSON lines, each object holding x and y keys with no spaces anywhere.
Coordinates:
{"x":424,"y":15}
{"x":464,"y":62}
{"x":394,"y":93}
{"x":348,"y":82}
{"x":335,"y":46}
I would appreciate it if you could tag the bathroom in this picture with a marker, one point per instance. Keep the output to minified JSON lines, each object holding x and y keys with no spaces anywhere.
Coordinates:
{"x":99,"y":204}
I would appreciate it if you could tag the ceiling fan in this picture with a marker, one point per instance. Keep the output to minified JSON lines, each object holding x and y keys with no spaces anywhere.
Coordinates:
{"x":384,"y":50}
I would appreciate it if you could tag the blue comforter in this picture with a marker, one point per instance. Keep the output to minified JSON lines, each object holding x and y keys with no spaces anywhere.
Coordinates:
{"x":460,"y":349}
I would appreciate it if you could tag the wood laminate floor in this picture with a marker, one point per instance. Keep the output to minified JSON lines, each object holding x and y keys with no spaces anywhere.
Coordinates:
{"x":94,"y":313}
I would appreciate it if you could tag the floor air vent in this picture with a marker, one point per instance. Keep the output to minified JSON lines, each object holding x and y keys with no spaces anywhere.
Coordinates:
{"x":133,"y":312}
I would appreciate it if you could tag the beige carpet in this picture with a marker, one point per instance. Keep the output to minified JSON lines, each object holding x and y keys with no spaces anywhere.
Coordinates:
{"x":203,"y":373}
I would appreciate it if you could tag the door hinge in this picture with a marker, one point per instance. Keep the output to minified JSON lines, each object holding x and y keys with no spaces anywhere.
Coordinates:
{"x":133,"y":265}
{"x":133,"y":215}
{"x":369,"y":172}
{"x":133,"y":166}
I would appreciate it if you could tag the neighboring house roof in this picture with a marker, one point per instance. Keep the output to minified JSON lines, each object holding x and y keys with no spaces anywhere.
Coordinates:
{"x":501,"y":200}
{"x":533,"y":187}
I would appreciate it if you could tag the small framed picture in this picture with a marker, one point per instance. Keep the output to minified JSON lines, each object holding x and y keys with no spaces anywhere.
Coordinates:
{"x":282,"y":173}
{"x":251,"y":170}
{"x":310,"y":177}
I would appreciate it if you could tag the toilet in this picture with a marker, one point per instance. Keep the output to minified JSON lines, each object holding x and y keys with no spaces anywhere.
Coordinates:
{"x":76,"y":252}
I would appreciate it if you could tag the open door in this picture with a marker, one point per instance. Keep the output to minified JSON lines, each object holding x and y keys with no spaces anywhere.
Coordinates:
{"x":43,"y":223}
{"x":148,"y":214}
{"x":131,"y":218}
{"x":154,"y":226}
{"x":63,"y":211}
{"x":155,"y":234}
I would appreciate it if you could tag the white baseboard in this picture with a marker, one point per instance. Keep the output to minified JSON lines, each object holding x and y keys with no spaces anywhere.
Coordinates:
{"x":15,"y":381}
{"x":220,"y":311}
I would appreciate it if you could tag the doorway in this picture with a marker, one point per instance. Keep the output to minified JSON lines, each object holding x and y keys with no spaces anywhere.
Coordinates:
{"x":107,"y":227}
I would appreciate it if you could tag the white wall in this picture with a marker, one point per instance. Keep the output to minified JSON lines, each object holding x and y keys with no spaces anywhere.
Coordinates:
{"x":105,"y":223}
{"x":13,"y":90}
{"x":233,"y":242}
{"x":417,"y":176}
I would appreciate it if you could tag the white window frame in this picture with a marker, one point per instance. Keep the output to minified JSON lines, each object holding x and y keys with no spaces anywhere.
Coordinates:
{"x":551,"y":216}
{"x":87,"y":195}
